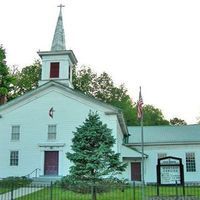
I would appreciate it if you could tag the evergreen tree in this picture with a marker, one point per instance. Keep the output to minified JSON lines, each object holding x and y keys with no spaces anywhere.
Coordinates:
{"x":93,"y":156}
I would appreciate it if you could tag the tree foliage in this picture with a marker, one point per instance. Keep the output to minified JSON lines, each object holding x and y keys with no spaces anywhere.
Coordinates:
{"x":92,"y":155}
{"x":83,"y":80}
{"x":27,"y":79}
{"x":153,"y":116}
{"x":102,"y":87}
{"x":177,"y":122}
{"x":6,"y":78}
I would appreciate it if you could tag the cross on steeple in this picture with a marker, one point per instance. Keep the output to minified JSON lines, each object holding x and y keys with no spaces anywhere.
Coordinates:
{"x":61,"y":6}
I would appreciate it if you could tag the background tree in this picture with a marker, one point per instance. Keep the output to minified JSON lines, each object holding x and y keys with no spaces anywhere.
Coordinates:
{"x":92,"y":156}
{"x":176,"y":121}
{"x":83,"y":79}
{"x":102,"y":88}
{"x":26,"y":79}
{"x":153,"y":116}
{"x":6,"y":78}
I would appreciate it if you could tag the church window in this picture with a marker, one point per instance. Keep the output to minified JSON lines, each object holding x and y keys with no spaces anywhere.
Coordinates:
{"x":15,"y":133}
{"x":52,"y":132}
{"x":14,"y":158}
{"x":54,"y":70}
{"x":190,"y":162}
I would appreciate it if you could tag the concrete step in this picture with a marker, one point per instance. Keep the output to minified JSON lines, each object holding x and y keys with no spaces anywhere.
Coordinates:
{"x":45,"y":180}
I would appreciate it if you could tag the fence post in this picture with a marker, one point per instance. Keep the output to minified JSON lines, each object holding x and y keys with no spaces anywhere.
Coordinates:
{"x":51,"y":191}
{"x":133,"y":190}
{"x":12,"y":190}
{"x":157,"y":187}
{"x":183,"y":189}
{"x":176,"y":190}
{"x":94,"y":192}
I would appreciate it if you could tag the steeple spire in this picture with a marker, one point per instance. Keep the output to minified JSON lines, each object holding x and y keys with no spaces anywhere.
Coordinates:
{"x":58,"y":43}
{"x":57,"y":63}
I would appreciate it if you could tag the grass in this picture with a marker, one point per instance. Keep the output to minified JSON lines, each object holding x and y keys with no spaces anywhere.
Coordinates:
{"x":4,"y":190}
{"x":7,"y":183}
{"x":60,"y":194}
{"x":116,"y":194}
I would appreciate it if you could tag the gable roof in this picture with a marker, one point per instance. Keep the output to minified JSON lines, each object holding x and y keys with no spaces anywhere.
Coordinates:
{"x":129,"y":152}
{"x":112,"y":110}
{"x":156,"y":135}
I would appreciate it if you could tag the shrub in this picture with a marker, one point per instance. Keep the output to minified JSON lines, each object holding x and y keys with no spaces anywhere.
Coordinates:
{"x":80,"y":186}
{"x":15,"y":181}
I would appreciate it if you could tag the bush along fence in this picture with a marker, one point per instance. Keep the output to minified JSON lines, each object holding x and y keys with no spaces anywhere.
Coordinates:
{"x":132,"y":191}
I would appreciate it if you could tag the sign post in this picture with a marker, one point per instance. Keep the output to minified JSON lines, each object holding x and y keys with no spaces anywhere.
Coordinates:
{"x":170,"y":172}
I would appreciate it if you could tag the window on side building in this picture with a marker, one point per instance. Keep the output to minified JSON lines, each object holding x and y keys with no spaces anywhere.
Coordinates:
{"x":190,"y":162}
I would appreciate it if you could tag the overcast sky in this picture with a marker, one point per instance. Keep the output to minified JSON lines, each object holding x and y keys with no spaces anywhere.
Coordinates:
{"x":150,"y":43}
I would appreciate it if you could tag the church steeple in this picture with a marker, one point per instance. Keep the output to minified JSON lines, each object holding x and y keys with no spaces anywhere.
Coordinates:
{"x":58,"y":62}
{"x":58,"y":42}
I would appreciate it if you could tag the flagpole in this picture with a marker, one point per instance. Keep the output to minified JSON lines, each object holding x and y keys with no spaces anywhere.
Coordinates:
{"x":142,"y":145}
{"x":140,"y":116}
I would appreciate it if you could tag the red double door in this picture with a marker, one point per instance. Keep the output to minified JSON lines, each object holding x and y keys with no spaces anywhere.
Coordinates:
{"x":51,"y":163}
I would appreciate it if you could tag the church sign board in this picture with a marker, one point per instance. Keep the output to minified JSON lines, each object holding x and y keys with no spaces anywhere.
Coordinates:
{"x":170,"y":171}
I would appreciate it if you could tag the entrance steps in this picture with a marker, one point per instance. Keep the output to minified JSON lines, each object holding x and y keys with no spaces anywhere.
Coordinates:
{"x":45,"y":180}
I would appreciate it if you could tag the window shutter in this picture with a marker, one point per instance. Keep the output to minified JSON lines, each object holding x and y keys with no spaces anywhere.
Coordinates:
{"x":54,"y":70}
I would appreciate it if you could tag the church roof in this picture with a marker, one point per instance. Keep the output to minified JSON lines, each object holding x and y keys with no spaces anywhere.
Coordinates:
{"x":70,"y":53}
{"x":58,"y":43}
{"x":156,"y":135}
{"x":111,"y":109}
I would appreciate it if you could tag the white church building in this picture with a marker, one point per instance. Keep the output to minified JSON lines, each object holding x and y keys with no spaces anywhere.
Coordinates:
{"x":36,"y":128}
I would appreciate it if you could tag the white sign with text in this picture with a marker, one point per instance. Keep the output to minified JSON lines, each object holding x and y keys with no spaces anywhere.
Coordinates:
{"x":170,"y":174}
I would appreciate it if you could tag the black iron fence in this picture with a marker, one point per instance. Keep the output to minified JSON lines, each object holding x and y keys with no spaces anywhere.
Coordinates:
{"x":99,"y":192}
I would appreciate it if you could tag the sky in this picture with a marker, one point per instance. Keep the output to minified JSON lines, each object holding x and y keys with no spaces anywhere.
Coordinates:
{"x":154,"y":44}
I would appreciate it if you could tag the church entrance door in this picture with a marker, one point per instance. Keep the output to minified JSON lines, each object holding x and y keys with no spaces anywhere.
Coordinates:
{"x":51,"y":163}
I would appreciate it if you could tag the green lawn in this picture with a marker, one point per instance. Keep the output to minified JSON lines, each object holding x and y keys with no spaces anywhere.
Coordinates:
{"x":59,"y":194}
{"x":117,"y":194}
{"x":4,"y":190}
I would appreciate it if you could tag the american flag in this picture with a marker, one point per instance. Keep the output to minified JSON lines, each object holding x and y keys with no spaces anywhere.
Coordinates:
{"x":139,"y":106}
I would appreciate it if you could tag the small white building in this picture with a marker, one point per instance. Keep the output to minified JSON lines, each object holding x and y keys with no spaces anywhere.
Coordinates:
{"x":36,"y":129}
{"x":162,"y":141}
